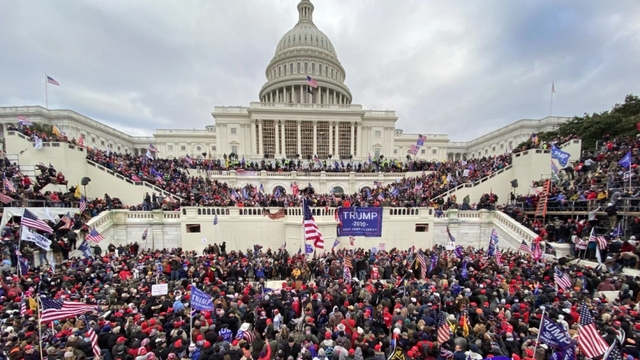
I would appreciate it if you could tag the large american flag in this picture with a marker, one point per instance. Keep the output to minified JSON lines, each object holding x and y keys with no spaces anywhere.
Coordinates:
{"x":563,"y":280}
{"x":444,"y":332}
{"x":8,"y":185}
{"x":94,"y":236}
{"x":311,"y":230}
{"x":5,"y":199}
{"x":30,"y":219}
{"x":61,"y":309}
{"x":91,"y":334}
{"x":602,"y":242}
{"x":83,"y":204}
{"x":66,"y":220}
{"x":348,"y":262}
{"x":590,"y":341}
{"x":423,"y":265}
{"x":525,"y":248}
{"x":498,"y":255}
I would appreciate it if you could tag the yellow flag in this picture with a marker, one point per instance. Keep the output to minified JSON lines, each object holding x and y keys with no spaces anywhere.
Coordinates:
{"x":77,"y":193}
{"x":56,"y":131}
{"x":33,"y":305}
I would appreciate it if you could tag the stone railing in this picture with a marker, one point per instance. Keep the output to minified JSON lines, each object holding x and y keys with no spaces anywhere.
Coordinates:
{"x":475,"y":183}
{"x":135,"y":183}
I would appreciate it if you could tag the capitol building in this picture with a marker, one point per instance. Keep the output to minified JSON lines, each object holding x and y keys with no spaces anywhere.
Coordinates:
{"x":304,"y":109}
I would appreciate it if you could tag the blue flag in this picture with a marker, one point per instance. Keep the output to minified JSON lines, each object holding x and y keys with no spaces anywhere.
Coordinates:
{"x":458,"y":252}
{"x":561,"y":156}
{"x":335,"y":243}
{"x":626,"y":161}
{"x":554,"y":335}
{"x":308,"y":248}
{"x":24,"y":263}
{"x":434,"y":262}
{"x":465,"y":272}
{"x":85,"y":249}
{"x":200,"y":300}
{"x":215,"y":219}
{"x":493,"y":242}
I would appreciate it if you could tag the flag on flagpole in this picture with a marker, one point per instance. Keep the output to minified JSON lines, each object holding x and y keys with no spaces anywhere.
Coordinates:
{"x":553,"y":87}
{"x":23,"y":121}
{"x":444,"y":332}
{"x":144,"y":234}
{"x":93,"y":338}
{"x":352,"y":240}
{"x":5,"y":199}
{"x":8,"y":185}
{"x":83,"y":204}
{"x":335,"y":243}
{"x":215,"y":219}
{"x":312,"y":82}
{"x":94,"y":236}
{"x":62,"y":309}
{"x":283,"y":247}
{"x":525,"y":248}
{"x":423,"y":265}
{"x":590,"y":341}
{"x":311,"y":230}
{"x":563,"y":280}
{"x":29,"y":219}
{"x":52,"y":81}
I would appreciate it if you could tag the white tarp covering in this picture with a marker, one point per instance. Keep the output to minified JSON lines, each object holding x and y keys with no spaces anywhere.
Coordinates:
{"x":44,"y":213}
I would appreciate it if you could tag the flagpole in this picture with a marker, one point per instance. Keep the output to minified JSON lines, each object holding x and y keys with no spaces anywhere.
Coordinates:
{"x":535,"y":348}
{"x":39,"y":303}
{"x":46,"y":93}
{"x":553,"y":90}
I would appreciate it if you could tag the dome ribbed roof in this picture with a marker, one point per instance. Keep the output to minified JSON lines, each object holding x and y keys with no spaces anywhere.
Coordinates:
{"x":305,"y":34}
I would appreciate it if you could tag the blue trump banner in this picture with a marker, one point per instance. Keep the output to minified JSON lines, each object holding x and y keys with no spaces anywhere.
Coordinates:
{"x":561,"y":156}
{"x":554,"y":335}
{"x":200,"y":300}
{"x":365,"y":221}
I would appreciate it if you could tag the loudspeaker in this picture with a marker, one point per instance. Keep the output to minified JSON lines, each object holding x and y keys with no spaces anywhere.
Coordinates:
{"x":514,"y":183}
{"x":85,"y":181}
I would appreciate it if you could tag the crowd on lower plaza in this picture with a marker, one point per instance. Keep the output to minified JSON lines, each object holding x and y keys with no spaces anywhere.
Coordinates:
{"x":343,"y":305}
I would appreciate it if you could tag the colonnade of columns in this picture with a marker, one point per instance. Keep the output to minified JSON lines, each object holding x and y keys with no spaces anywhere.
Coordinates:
{"x":281,"y":139}
{"x":298,"y":94}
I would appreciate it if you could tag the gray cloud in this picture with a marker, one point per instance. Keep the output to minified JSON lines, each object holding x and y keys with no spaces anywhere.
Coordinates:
{"x":462,"y":68}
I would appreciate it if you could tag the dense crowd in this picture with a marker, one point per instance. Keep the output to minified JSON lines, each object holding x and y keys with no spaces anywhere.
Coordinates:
{"x":383,"y":302}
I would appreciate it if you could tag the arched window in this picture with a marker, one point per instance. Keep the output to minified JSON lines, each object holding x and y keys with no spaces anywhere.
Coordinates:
{"x":279,"y":71}
{"x":291,"y":68}
{"x":298,"y":68}
{"x":306,"y":68}
{"x":280,"y":190}
{"x":332,"y":73}
{"x":338,"y":190}
{"x":313,"y":68}
{"x":326,"y":71}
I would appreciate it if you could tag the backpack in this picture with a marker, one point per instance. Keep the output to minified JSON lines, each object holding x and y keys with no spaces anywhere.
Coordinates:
{"x":329,"y":352}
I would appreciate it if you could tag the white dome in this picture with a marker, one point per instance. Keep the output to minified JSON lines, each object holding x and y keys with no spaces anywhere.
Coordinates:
{"x":305,"y":51}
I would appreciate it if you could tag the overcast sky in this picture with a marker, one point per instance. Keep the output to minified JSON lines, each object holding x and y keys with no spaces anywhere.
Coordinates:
{"x":457,"y":67}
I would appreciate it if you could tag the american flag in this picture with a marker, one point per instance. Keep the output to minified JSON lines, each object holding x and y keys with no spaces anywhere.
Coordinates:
{"x":81,"y":140}
{"x":188,"y":160}
{"x":312,"y":82}
{"x":498,"y":256}
{"x":423,"y":265}
{"x":613,"y":353}
{"x":283,"y":247}
{"x":444,"y":332}
{"x":348,"y":262}
{"x":590,"y":341}
{"x":311,"y":230}
{"x":66,"y":220}
{"x":8,"y":185}
{"x":352,"y":240}
{"x":152,"y":148}
{"x":347,"y":274}
{"x":525,"y":248}
{"x":23,"y":306}
{"x":215,"y":219}
{"x":602,"y":242}
{"x":5,"y":199}
{"x":29,"y":219}
{"x":563,"y":280}
{"x":23,"y":121}
{"x":61,"y":309}
{"x":94,"y":236}
{"x":52,"y":81}
{"x":91,"y":334}
{"x":83,"y":204}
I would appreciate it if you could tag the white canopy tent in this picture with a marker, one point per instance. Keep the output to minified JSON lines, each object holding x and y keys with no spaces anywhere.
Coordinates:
{"x":44,"y":213}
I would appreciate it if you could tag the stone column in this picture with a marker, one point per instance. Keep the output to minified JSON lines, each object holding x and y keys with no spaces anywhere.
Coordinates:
{"x":284,"y":90}
{"x":334,"y":97}
{"x":360,"y":137}
{"x":352,"y":138}
{"x":315,"y":138}
{"x":284,"y":148}
{"x":275,"y":133}
{"x":337,"y":152}
{"x":299,"y":139}
{"x":302,"y":97}
{"x":330,"y":136}
{"x":260,"y":137}
{"x":327,"y":97}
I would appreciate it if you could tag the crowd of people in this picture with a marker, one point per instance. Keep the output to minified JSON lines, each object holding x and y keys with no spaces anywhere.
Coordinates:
{"x":344,"y":305}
